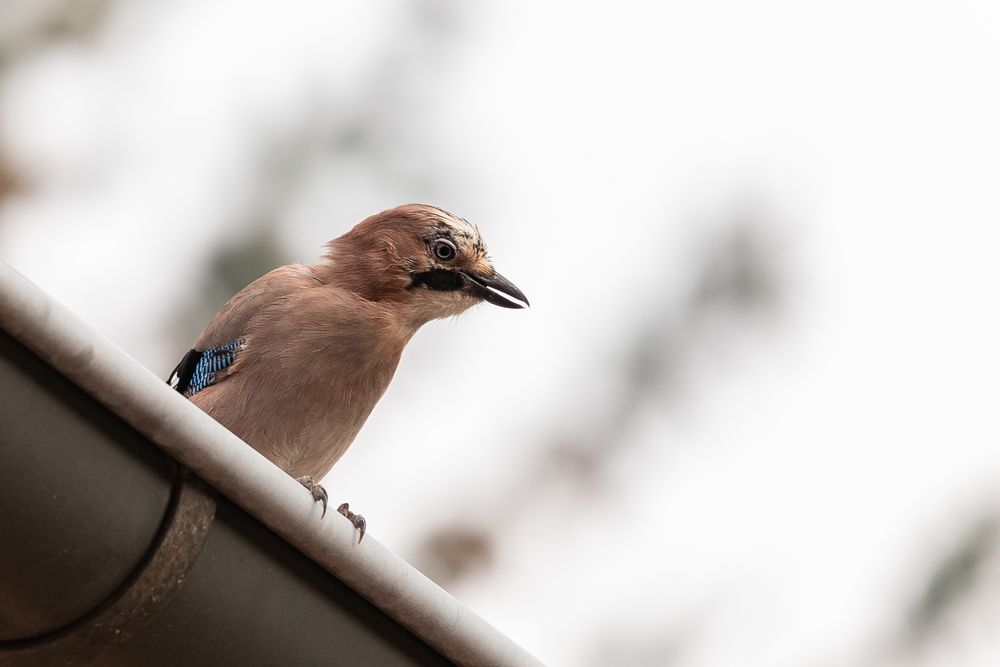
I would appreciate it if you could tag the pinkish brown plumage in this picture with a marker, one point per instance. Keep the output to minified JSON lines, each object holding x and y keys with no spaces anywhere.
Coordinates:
{"x":295,"y":362}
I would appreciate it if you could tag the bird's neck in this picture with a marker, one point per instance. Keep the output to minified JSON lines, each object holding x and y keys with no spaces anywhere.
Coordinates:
{"x":373,"y":280}
{"x":372,"y":276}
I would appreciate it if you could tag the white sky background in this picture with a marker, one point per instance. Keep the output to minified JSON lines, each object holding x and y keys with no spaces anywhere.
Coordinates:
{"x":785,"y":512}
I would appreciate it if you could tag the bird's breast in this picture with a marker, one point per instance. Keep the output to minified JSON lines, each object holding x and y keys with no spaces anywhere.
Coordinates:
{"x":313,"y":415}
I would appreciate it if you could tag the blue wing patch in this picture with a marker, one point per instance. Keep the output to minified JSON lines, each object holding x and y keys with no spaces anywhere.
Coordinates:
{"x":198,"y":367}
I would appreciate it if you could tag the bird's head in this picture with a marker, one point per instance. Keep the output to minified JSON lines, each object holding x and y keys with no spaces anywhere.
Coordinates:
{"x":429,"y":262}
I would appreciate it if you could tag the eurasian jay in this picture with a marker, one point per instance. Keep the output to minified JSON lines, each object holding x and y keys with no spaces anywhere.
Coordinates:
{"x":295,"y":362}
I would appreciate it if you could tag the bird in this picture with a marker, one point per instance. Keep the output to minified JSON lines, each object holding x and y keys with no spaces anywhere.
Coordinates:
{"x":295,"y":362}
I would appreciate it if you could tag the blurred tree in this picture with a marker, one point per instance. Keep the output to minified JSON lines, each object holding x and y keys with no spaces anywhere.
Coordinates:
{"x":953,"y":578}
{"x":10,"y":181}
{"x":28,"y":26}
{"x":739,"y":279}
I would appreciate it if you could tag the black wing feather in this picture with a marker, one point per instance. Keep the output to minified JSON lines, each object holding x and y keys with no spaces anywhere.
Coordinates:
{"x":185,"y":370}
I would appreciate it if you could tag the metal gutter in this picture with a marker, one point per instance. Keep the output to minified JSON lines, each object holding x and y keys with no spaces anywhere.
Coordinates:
{"x":243,"y":476}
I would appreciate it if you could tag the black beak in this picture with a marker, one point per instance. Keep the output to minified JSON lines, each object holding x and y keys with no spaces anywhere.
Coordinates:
{"x":490,"y":288}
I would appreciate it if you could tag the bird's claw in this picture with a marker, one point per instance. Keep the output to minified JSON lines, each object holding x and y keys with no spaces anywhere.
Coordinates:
{"x":317,"y":491}
{"x":356,"y":519}
{"x":319,"y":494}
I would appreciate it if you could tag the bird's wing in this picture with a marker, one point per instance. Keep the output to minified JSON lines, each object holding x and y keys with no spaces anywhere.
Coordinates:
{"x":201,"y":368}
{"x":225,"y":336}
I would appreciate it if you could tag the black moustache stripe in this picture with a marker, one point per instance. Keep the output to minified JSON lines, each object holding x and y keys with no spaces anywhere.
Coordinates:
{"x":439,"y":280}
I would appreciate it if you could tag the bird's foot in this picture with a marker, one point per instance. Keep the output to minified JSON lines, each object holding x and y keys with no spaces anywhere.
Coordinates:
{"x":316,"y":489}
{"x":356,"y":519}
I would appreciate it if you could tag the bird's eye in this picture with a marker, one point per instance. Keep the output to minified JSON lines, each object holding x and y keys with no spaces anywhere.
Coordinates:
{"x":444,"y":250}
